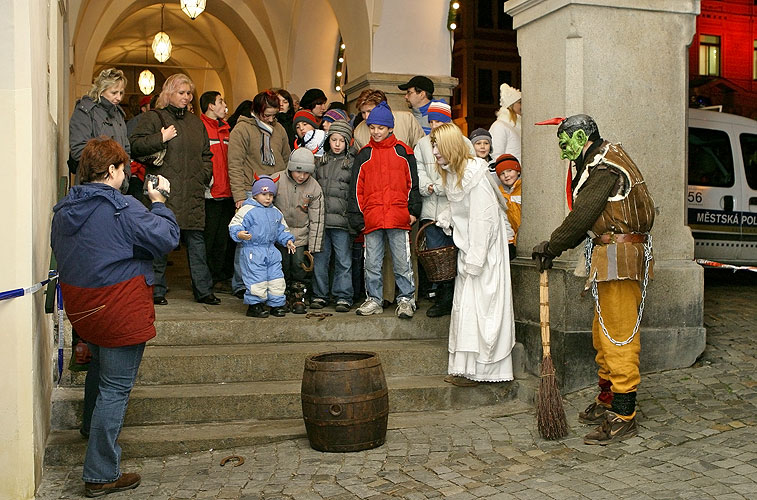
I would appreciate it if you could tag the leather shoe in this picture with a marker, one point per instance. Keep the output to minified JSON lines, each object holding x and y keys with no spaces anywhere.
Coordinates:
{"x":211,"y":300}
{"x":278,"y":312}
{"x":127,"y":481}
{"x":159,"y":300}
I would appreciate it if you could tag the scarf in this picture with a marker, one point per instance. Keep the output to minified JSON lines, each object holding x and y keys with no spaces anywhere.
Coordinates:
{"x":266,"y":153}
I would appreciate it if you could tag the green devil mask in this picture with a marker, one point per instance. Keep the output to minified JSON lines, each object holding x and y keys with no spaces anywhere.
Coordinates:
{"x":572,"y":146}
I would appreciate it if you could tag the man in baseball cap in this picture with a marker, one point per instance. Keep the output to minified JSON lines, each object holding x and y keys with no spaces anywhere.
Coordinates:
{"x":419,"y":92}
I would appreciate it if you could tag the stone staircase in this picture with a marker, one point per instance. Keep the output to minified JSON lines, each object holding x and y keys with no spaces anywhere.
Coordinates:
{"x":213,"y":378}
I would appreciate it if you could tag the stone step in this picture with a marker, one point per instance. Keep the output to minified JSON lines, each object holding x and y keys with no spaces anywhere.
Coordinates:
{"x":202,"y":403}
{"x":269,"y":362}
{"x":67,"y":447}
{"x":184,"y":322}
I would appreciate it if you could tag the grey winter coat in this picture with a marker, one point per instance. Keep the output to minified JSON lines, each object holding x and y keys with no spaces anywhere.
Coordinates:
{"x":334,"y":174}
{"x":187,"y":164}
{"x":92,"y":119}
{"x":302,"y":206}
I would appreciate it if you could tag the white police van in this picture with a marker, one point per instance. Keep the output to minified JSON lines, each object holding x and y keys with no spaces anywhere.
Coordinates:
{"x":722,"y":186}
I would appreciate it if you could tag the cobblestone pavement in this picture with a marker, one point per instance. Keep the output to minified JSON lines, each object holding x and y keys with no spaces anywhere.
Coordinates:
{"x":696,"y":440}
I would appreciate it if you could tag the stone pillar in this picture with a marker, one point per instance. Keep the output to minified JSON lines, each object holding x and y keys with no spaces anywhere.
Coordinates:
{"x":624,"y":62}
{"x":407,"y":39}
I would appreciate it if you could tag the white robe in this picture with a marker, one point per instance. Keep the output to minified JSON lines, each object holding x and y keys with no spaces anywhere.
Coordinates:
{"x":482,"y":328}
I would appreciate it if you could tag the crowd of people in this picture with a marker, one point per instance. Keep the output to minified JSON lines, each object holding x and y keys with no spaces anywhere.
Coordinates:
{"x":293,"y":204}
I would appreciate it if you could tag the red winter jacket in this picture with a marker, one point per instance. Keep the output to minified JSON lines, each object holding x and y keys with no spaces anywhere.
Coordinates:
{"x":384,"y":188}
{"x":218,"y":133}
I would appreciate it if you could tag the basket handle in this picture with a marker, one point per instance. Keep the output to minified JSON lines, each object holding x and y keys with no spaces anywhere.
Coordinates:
{"x":420,"y":230}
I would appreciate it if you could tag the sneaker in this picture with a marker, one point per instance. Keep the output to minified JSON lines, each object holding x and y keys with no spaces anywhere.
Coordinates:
{"x":127,"y":481}
{"x":317,"y":303}
{"x":369,"y":307}
{"x":342,"y":306}
{"x":405,"y":309}
{"x":593,"y":414}
{"x":612,"y":429}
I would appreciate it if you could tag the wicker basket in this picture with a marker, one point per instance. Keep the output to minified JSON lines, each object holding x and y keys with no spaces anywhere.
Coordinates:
{"x":440,"y":263}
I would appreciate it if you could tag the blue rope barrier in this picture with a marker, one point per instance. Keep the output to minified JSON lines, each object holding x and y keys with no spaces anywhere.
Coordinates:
{"x":20,"y":292}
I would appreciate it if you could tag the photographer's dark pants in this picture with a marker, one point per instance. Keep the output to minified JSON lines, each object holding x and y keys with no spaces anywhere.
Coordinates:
{"x":202,"y":282}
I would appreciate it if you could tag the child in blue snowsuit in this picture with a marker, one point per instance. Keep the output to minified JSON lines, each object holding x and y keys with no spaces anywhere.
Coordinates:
{"x":258,"y":225}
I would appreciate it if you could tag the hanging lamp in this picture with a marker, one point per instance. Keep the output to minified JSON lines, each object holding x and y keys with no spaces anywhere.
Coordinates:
{"x":146,"y":79}
{"x":161,"y":44}
{"x":192,"y":8}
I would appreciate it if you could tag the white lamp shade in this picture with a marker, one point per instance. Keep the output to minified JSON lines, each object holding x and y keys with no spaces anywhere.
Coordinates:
{"x":161,"y":46}
{"x":192,"y":8}
{"x":146,"y":82}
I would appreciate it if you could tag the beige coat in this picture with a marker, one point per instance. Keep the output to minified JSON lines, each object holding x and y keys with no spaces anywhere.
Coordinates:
{"x":245,"y":156}
{"x":303,"y":209}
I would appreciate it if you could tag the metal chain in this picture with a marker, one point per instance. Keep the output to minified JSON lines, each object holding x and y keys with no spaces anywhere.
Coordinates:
{"x":647,"y":258}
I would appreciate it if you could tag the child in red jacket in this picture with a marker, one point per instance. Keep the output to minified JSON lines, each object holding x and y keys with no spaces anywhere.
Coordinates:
{"x":384,"y":203}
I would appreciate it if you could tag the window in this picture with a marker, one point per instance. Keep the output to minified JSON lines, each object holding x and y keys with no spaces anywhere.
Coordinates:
{"x":749,"y":154}
{"x":709,"y":55}
{"x":710,"y":158}
{"x":485,"y":94}
{"x":754,"y":61}
{"x":484,"y":14}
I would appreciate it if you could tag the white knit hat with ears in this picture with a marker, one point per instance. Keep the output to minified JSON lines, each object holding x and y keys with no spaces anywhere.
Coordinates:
{"x":508,"y":95}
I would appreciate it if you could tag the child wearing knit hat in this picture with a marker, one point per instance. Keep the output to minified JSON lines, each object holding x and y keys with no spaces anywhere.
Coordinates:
{"x":334,"y":174}
{"x":308,"y":135}
{"x":331,"y":116}
{"x":257,"y":230}
{"x":482,"y":144}
{"x":384,"y":203}
{"x":300,"y":199}
{"x":507,"y":168}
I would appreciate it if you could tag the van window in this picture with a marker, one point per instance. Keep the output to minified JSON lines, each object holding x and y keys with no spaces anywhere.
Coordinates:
{"x":710,"y":158}
{"x":749,"y":151}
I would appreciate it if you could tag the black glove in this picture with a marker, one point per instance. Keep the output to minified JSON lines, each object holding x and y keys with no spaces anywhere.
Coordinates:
{"x":542,"y":256}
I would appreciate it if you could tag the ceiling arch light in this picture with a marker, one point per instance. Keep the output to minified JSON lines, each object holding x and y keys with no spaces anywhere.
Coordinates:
{"x":192,"y":8}
{"x":161,"y":44}
{"x":146,"y":82}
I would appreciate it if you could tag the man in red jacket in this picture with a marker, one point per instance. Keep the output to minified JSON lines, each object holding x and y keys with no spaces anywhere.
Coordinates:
{"x":219,"y":204}
{"x":384,"y":203}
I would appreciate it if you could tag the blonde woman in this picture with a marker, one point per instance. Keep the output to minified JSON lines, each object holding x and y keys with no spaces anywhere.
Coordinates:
{"x":98,"y":113}
{"x":505,"y":130}
{"x":187,"y":165}
{"x":482,"y":330}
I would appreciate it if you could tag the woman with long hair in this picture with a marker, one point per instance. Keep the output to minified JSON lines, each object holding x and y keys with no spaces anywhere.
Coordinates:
{"x":286,"y":113}
{"x":187,"y":164}
{"x":482,"y":329}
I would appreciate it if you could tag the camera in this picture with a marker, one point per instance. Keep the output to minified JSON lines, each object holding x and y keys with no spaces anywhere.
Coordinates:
{"x":153,"y":179}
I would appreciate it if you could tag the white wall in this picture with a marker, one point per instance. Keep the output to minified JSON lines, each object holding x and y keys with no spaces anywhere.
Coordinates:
{"x":28,"y":139}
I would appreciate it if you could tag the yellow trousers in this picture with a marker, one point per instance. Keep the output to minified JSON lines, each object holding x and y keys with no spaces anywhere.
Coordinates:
{"x":619,"y":302}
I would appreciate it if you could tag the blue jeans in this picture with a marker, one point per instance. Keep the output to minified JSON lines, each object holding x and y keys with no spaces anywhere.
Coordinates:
{"x":116,"y":370}
{"x":399,"y":245}
{"x":338,"y":242}
{"x":435,"y":237}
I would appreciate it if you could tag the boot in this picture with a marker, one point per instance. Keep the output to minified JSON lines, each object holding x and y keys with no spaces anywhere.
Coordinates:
{"x":444,"y":295}
{"x":298,"y":298}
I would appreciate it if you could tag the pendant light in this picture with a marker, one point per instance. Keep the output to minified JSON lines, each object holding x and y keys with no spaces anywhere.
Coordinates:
{"x":146,"y":79}
{"x":161,"y":44}
{"x":192,"y":8}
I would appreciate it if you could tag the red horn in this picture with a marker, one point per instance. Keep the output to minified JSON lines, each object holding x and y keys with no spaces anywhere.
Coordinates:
{"x":276,"y":179}
{"x":256,"y":176}
{"x":551,"y":121}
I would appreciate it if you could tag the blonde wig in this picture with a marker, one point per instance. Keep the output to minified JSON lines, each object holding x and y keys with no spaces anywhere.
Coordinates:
{"x":105,"y":80}
{"x":172,"y":85}
{"x":448,"y":139}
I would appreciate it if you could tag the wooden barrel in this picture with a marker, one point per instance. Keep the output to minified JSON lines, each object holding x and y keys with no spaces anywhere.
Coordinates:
{"x":345,"y":402}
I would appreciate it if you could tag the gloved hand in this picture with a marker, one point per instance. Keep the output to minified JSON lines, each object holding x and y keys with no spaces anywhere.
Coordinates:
{"x":542,"y":256}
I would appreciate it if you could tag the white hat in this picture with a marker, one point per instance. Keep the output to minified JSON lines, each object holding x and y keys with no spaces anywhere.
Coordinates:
{"x":508,"y":95}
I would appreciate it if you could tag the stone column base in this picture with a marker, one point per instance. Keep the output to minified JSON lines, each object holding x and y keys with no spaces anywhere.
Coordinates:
{"x":670,"y":333}
{"x":388,"y":82}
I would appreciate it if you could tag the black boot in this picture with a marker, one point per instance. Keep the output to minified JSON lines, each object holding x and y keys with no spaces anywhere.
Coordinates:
{"x":298,"y":298}
{"x":257,"y":311}
{"x":443,"y":305}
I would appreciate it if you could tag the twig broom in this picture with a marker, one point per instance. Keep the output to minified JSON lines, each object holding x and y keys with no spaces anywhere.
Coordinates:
{"x":550,"y":415}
